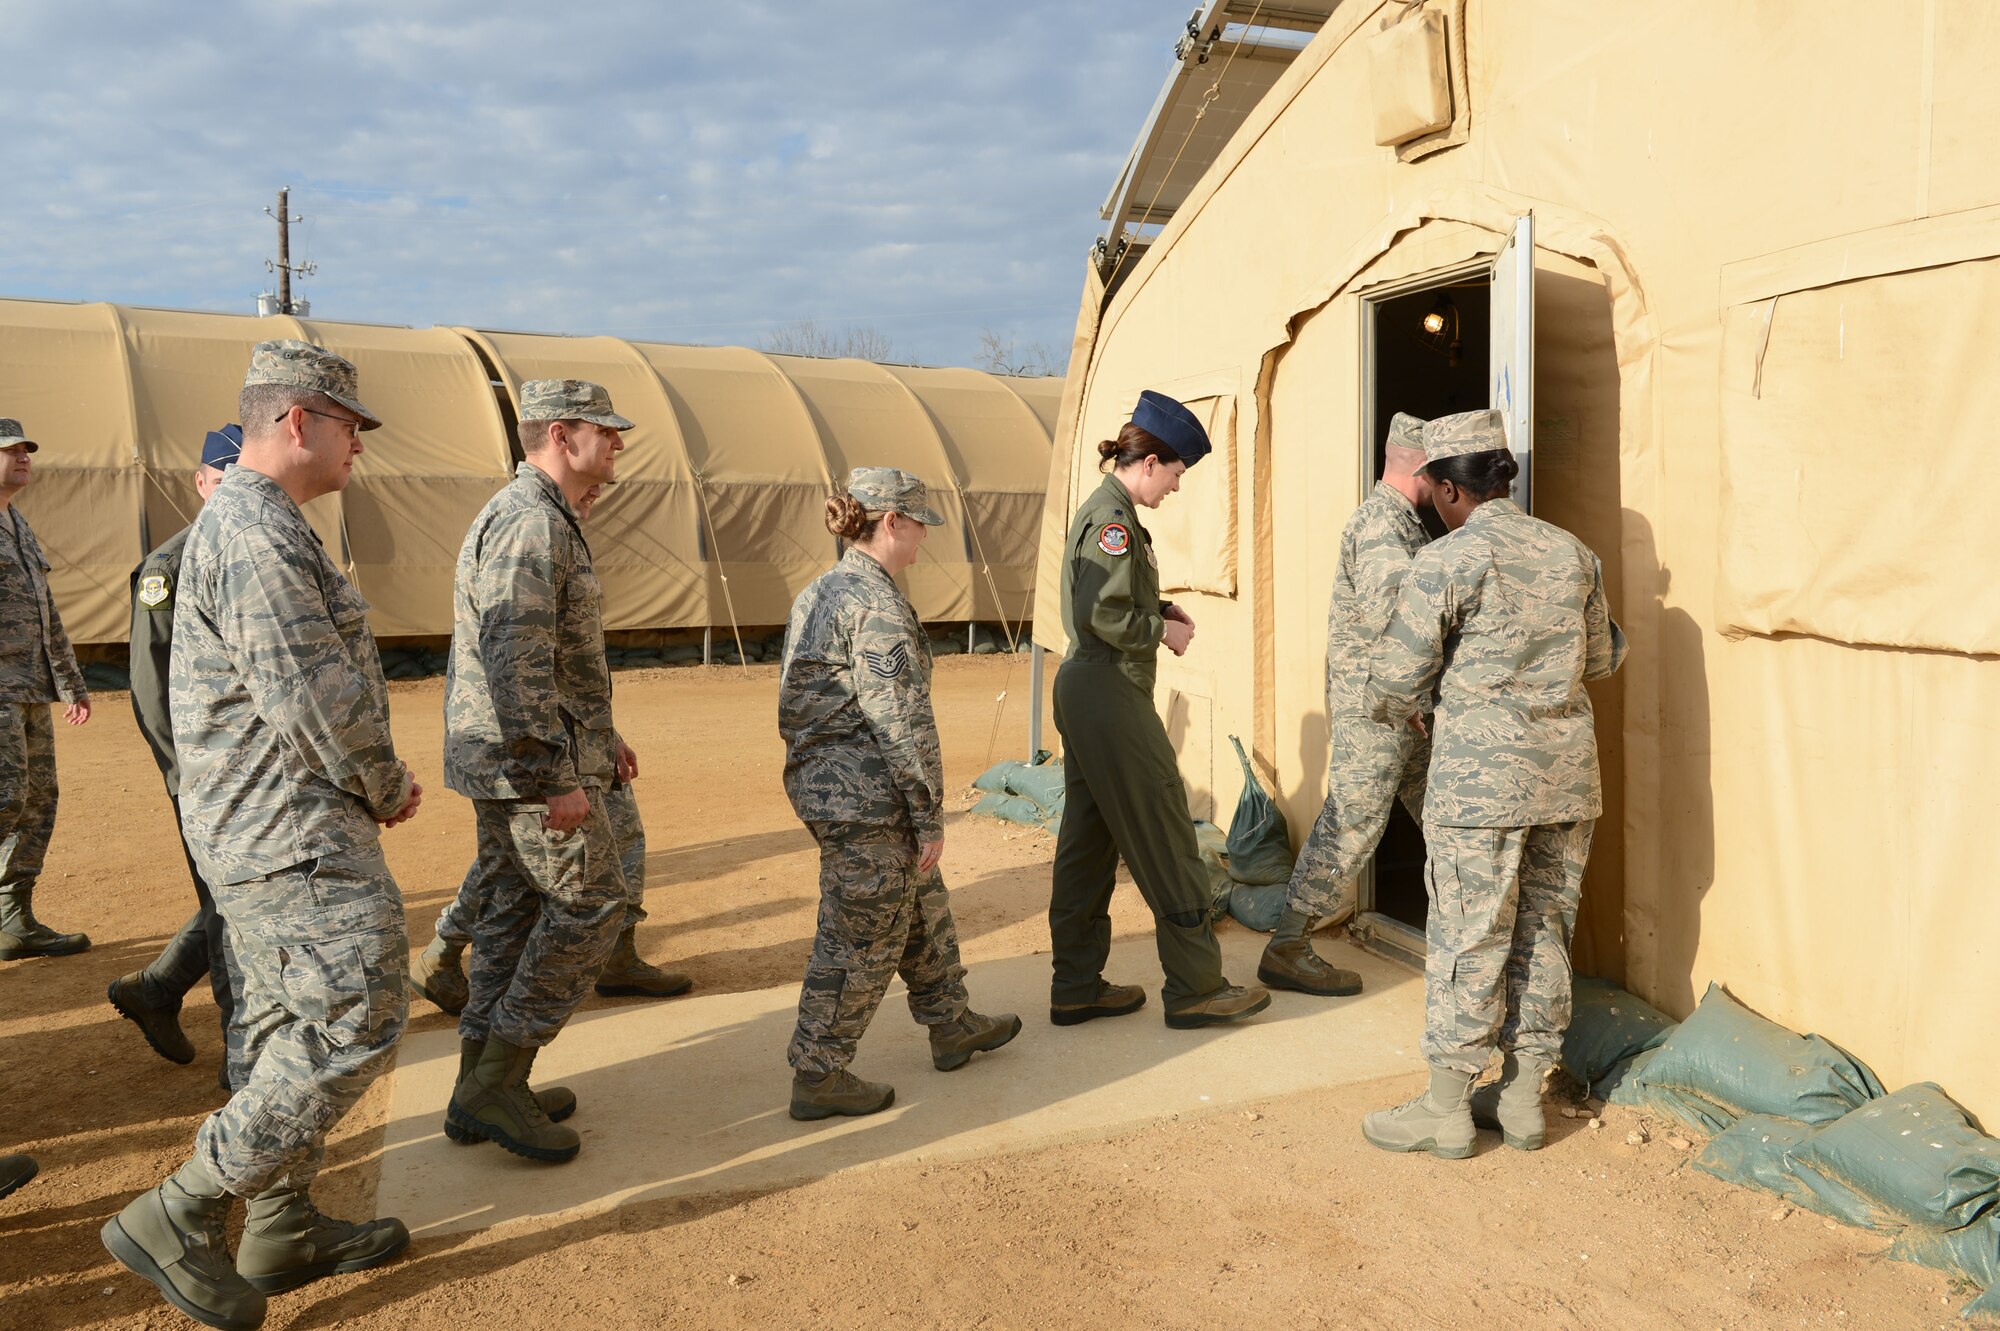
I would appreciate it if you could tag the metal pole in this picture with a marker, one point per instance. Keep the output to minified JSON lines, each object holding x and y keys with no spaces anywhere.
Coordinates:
{"x":284,"y":251}
{"x":1034,"y":702}
{"x":708,"y":645}
{"x":971,"y":636}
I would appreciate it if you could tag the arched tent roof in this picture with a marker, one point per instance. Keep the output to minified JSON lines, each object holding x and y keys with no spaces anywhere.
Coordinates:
{"x":716,"y":519}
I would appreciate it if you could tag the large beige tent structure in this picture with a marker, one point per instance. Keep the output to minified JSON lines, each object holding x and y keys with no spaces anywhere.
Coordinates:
{"x":715,"y":520}
{"x":1732,"y":271}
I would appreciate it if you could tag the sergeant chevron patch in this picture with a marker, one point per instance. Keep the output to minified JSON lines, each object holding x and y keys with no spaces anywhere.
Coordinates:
{"x":888,"y":664}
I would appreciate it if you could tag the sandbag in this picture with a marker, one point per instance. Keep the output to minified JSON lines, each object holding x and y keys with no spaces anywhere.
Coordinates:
{"x":1756,"y":1151}
{"x":1011,"y":808}
{"x":1736,"y":1060}
{"x":1260,"y":850}
{"x":994,"y":778}
{"x":1258,"y":906}
{"x":1042,"y":783}
{"x":1913,"y":1153}
{"x":1607,"y":1027}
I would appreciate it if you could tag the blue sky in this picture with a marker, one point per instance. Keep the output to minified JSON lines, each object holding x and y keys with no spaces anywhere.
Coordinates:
{"x":677,"y":172}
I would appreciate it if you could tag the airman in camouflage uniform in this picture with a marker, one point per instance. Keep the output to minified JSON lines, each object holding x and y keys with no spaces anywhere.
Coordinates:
{"x":863,"y":772}
{"x":437,"y":973}
{"x":287,"y":770}
{"x":1502,"y":620}
{"x":528,"y":739}
{"x":151,"y":998}
{"x":37,"y":667}
{"x":1369,"y":765}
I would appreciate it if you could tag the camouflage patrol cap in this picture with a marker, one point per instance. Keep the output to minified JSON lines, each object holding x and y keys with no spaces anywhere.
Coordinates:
{"x":569,"y":400}
{"x":295,"y":364}
{"x":11,"y":434}
{"x":891,"y":490}
{"x":1406,"y":431}
{"x":1466,"y":432}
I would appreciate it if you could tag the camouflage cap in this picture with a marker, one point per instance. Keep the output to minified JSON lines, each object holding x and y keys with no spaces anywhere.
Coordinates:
{"x":569,"y":400}
{"x":892,"y":490}
{"x":1466,"y":432}
{"x":11,"y":434}
{"x":295,"y":364}
{"x":1406,"y":431}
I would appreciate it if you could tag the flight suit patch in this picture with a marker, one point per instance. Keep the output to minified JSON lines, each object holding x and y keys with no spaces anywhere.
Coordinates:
{"x":1114,"y":539}
{"x":154,"y":589}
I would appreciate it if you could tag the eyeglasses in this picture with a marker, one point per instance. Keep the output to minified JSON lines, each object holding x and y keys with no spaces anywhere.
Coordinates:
{"x":353,"y":426}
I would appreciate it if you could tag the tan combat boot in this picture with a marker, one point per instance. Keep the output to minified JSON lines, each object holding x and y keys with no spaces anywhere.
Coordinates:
{"x":627,"y":975}
{"x":494,"y":1102}
{"x":159,"y":1022}
{"x":23,"y":936}
{"x":287,"y":1242}
{"x":558,"y":1102}
{"x":438,"y":974}
{"x":838,"y":1093}
{"x":1289,"y":962}
{"x":1438,"y":1121}
{"x":955,"y":1042}
{"x":1514,"y":1103}
{"x":173,"y":1236}
{"x":1235,"y":1003}
{"x":1113,"y":1000}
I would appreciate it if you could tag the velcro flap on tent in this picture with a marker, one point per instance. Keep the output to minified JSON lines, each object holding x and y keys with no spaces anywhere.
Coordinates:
{"x":1743,"y":1064}
{"x":1409,"y":77}
{"x":1851,"y":413}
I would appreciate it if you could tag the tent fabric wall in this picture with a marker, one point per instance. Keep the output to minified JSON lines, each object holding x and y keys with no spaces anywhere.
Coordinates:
{"x":716,"y":518}
{"x":1799,"y":810}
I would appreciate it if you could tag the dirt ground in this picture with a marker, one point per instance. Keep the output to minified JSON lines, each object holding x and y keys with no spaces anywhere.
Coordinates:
{"x":1276,"y":1215}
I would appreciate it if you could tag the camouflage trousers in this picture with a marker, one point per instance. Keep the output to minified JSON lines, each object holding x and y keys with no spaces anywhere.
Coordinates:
{"x":877,"y":919}
{"x":549,"y":908}
{"x":622,"y":808}
{"x":1370,"y":767}
{"x":1502,"y":907}
{"x":27,"y":792}
{"x":325,"y":970}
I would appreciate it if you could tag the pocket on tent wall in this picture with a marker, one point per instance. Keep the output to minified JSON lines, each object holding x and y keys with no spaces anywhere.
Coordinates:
{"x":1856,"y":426}
{"x":1409,"y":77}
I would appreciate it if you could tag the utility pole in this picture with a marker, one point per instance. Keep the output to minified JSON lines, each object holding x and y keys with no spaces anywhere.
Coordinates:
{"x":284,"y":267}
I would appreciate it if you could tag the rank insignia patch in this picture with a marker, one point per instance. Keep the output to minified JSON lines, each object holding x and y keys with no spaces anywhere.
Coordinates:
{"x":1114,"y":539}
{"x":888,"y":664}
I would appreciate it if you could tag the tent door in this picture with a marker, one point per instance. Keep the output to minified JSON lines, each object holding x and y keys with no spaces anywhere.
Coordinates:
{"x":1512,"y":353}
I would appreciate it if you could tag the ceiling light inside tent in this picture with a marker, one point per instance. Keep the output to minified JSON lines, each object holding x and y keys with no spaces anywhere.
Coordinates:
{"x":1433,"y":323}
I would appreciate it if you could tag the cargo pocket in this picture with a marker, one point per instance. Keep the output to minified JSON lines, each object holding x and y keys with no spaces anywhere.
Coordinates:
{"x":335,"y":985}
{"x":820,"y":1002}
{"x":558,"y":861}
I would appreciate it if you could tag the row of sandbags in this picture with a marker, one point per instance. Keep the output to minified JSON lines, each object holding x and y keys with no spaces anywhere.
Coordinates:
{"x":1797,"y":1116}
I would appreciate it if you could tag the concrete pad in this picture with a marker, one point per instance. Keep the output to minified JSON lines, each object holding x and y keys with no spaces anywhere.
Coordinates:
{"x":687,"y":1097}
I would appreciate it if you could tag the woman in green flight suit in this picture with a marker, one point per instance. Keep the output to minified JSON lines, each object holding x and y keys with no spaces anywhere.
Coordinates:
{"x":1122,"y":787}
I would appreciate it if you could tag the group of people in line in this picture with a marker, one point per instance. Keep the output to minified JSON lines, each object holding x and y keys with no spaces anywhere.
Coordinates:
{"x":1455,"y":682}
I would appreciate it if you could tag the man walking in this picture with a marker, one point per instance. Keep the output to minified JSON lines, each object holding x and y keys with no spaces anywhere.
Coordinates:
{"x":151,"y":998}
{"x":37,"y":667}
{"x":528,"y":739}
{"x":281,"y":729}
{"x":1370,"y":764}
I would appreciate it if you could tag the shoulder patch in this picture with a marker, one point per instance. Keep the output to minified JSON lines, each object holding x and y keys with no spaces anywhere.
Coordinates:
{"x":889,"y":664}
{"x":154,"y":589}
{"x":1114,"y":539}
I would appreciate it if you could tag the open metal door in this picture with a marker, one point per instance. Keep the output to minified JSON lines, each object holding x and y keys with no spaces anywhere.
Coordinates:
{"x":1511,"y":353}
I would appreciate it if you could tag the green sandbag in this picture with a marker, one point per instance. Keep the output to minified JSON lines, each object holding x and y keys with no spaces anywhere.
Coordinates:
{"x":994,"y":778}
{"x":1258,"y":907}
{"x":1608,"y":1026}
{"x":1973,"y":1252}
{"x":1011,"y":808}
{"x":1913,"y":1153}
{"x":1043,"y":784}
{"x":1213,"y":844}
{"x":1625,"y":1083}
{"x":1733,"y":1058}
{"x":1260,"y":850}
{"x":1757,"y":1151}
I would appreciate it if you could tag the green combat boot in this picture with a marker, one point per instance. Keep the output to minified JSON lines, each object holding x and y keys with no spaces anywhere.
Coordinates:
{"x":173,"y":1236}
{"x":955,"y":1042}
{"x":1514,"y":1103}
{"x":159,"y":1022}
{"x":15,"y":1171}
{"x":1113,"y":1000}
{"x":838,"y":1093}
{"x":494,"y":1102}
{"x":1289,"y":962}
{"x":438,"y":975}
{"x":23,"y":936}
{"x":558,"y":1102}
{"x":1438,"y":1121}
{"x":626,"y":975}
{"x":1235,"y":1003}
{"x":287,"y":1242}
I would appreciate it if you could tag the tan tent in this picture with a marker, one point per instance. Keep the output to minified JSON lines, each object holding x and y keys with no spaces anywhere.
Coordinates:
{"x":1731,"y":270}
{"x":715,"y":520}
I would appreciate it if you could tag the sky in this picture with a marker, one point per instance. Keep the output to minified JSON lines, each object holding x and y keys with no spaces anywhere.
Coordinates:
{"x":659,"y":171}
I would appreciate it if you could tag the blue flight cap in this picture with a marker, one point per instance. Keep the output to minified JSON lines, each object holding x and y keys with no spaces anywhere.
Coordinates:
{"x":1173,"y":425}
{"x":222,"y":447}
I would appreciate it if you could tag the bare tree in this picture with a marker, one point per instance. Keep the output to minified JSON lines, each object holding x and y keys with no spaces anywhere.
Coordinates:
{"x":999,"y":355}
{"x":804,"y":337}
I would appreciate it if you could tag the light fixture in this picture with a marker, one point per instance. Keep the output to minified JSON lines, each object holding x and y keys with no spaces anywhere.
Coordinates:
{"x":1433,"y":323}
{"x":1440,"y":329}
